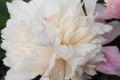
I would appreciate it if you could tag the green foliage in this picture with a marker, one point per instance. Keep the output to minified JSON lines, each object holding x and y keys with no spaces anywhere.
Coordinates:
{"x":3,"y":13}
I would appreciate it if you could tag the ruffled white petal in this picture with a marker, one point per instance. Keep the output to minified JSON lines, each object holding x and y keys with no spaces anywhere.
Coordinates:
{"x":17,"y":75}
{"x":54,"y":38}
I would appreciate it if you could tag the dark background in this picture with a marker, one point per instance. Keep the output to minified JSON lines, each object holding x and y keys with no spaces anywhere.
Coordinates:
{"x":4,"y":15}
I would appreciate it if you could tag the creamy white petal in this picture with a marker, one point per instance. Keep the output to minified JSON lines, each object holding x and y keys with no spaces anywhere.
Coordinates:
{"x":38,"y":61}
{"x":90,"y":5}
{"x":16,"y":75}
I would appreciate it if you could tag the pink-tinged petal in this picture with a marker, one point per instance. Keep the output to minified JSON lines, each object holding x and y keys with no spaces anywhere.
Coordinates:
{"x":100,"y":8}
{"x":114,"y":33}
{"x":115,"y":24}
{"x":112,"y":10}
{"x":112,"y":64}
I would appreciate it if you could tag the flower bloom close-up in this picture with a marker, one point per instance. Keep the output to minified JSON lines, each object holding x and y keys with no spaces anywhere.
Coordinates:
{"x":58,"y":39}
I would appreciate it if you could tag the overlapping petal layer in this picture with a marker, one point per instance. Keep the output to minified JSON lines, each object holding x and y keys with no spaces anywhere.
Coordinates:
{"x":54,"y":38}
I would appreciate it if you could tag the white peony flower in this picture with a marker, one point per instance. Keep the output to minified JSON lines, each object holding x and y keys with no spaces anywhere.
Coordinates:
{"x":53,"y":38}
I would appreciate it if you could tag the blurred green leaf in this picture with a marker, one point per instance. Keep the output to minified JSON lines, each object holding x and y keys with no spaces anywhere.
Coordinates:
{"x":110,"y":77}
{"x":103,"y":77}
{"x":4,"y":1}
{"x":2,"y":78}
{"x":26,"y":0}
{"x":4,"y":15}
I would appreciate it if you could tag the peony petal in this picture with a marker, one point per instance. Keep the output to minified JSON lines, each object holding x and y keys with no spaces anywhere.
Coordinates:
{"x":90,"y":6}
{"x":38,"y":61}
{"x":15,"y":75}
{"x":40,"y":28}
{"x":114,"y":33}
{"x":76,"y":77}
{"x":99,"y":9}
{"x":58,"y":71}
{"x":23,"y":11}
{"x":112,"y":65}
{"x":111,"y":10}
